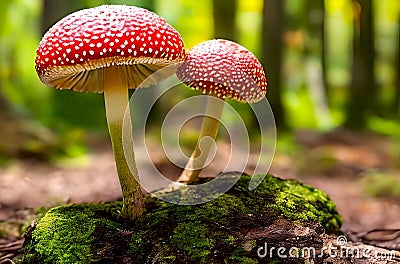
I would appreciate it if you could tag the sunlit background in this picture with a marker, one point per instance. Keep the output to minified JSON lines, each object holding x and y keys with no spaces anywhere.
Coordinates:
{"x":310,"y":100}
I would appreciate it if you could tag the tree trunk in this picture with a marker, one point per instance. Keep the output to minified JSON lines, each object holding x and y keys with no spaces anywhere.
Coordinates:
{"x":55,"y":10}
{"x":396,"y":101}
{"x":362,"y":98}
{"x":324,"y":47}
{"x":315,"y":61}
{"x":315,"y":27}
{"x":224,"y":13}
{"x":272,"y":53}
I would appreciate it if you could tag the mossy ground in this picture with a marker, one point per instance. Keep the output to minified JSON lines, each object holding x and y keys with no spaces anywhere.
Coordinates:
{"x":214,"y":232}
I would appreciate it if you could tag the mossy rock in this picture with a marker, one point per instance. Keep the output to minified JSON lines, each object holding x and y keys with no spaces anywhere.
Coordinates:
{"x":228,"y":229}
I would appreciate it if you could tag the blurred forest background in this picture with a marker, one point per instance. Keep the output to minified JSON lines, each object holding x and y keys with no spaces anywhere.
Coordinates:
{"x":329,"y":64}
{"x":333,"y":72}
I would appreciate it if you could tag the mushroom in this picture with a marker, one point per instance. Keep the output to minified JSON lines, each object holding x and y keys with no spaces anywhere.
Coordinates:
{"x":110,"y":49}
{"x":222,"y":69}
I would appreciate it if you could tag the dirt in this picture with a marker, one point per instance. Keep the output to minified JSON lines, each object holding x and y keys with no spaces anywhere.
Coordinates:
{"x":31,"y":184}
{"x":347,"y":160}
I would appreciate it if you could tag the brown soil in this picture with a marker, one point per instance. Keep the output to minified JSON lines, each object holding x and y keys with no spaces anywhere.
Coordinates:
{"x":31,"y":184}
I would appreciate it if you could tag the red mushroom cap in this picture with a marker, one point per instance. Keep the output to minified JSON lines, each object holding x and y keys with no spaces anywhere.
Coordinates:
{"x":225,"y":69}
{"x":72,"y":51}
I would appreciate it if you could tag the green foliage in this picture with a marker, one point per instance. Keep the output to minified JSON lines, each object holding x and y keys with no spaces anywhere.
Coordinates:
{"x":384,"y":126}
{"x":377,"y":184}
{"x":192,"y":20}
{"x":149,"y":4}
{"x":20,"y":32}
{"x":19,"y":37}
{"x":77,"y":110}
{"x":298,"y":101}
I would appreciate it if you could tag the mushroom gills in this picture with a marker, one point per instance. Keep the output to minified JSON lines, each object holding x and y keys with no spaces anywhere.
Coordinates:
{"x":138,"y":75}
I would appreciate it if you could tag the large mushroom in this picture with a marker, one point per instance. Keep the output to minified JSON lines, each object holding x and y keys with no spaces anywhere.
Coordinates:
{"x":222,"y":69}
{"x":110,"y":49}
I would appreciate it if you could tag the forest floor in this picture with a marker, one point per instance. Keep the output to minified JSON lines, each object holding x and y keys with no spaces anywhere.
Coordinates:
{"x":360,"y":172}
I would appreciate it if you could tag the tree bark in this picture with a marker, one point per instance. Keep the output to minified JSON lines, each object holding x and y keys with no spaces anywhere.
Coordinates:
{"x":272,"y":54}
{"x":315,"y":27}
{"x":396,"y":100}
{"x":324,"y":47}
{"x":55,"y":10}
{"x":363,"y":93}
{"x":224,"y":14}
{"x":314,"y":58}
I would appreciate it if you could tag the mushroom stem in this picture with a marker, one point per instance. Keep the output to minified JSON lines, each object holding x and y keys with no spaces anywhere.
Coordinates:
{"x":116,"y":102}
{"x":209,"y":128}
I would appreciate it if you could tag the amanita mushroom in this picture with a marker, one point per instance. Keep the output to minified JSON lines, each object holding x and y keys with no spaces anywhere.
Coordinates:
{"x":223,"y":69}
{"x":110,"y":49}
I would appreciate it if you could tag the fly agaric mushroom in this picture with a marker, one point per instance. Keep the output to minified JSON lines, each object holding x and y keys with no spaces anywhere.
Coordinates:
{"x":222,"y":69}
{"x":110,"y":49}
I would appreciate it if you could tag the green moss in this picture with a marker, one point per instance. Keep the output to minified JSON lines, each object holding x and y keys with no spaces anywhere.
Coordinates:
{"x":230,"y":240}
{"x":240,"y":255}
{"x":302,"y":202}
{"x":65,"y":233}
{"x":242,"y":260}
{"x":212,"y":232}
{"x":192,"y":238}
{"x":136,"y":242}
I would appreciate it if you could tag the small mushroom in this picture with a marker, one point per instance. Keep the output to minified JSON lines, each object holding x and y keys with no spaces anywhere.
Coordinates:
{"x":222,"y":69}
{"x":110,"y":49}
